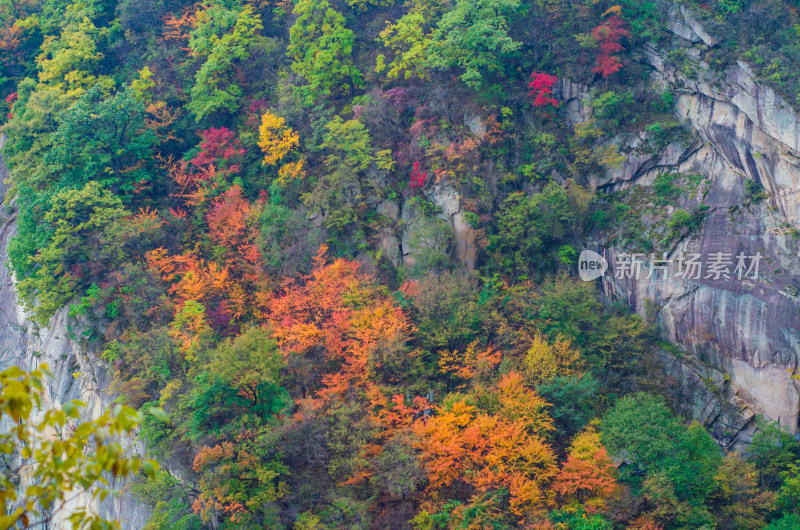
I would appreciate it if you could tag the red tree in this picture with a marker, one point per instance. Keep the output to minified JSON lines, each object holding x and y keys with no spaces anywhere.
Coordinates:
{"x":541,"y":87}
{"x":417,"y":178}
{"x":221,"y":148}
{"x":10,"y":99}
{"x":608,"y":35}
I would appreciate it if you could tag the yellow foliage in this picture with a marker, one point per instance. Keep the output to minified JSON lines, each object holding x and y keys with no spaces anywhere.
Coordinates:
{"x":613,"y":10}
{"x":292,"y":171}
{"x":588,"y":129}
{"x":609,"y":156}
{"x":275,"y":139}
{"x":543,"y":360}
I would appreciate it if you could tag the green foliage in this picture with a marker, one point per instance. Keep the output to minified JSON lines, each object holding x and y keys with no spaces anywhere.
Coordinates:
{"x":530,"y":229}
{"x":286,"y":240}
{"x":409,"y":45}
{"x":312,"y":419}
{"x":166,"y":494}
{"x":642,"y":430}
{"x":572,"y":399}
{"x":473,"y":37}
{"x":103,"y":138}
{"x":243,"y":378}
{"x":70,"y":60}
{"x":74,"y":218}
{"x":789,"y":521}
{"x":754,"y":192}
{"x":773,"y":451}
{"x":321,"y":49}
{"x":224,"y":38}
{"x":342,"y":189}
{"x":429,"y":246}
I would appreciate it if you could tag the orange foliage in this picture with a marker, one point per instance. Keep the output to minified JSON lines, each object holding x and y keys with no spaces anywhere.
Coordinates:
{"x":588,"y":476}
{"x":490,"y":451}
{"x":233,"y":224}
{"x":196,"y":186}
{"x":471,"y":362}
{"x":159,"y":119}
{"x":336,"y":310}
{"x":194,"y":279}
{"x":177,"y":29}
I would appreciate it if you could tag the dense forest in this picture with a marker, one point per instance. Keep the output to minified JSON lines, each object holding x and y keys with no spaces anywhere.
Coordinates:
{"x":242,"y":207}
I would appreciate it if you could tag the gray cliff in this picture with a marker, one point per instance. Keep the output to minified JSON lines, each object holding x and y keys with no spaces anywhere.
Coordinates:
{"x":23,"y":345}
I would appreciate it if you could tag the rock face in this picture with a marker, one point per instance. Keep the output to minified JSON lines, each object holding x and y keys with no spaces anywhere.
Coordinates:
{"x":24,"y":346}
{"x":745,"y":332}
{"x":743,"y":336}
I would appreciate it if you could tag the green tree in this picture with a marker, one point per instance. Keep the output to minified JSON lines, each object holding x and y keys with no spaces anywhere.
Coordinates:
{"x":642,"y":431}
{"x":473,"y":38}
{"x":341,"y":192}
{"x":530,"y":228}
{"x":409,"y":45}
{"x":321,"y":49}
{"x":243,"y":378}
{"x":75,"y":219}
{"x":70,"y":62}
{"x":223,"y":37}
{"x":103,"y":138}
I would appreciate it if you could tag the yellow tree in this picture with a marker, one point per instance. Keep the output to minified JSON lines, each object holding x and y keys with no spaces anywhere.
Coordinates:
{"x":53,"y":452}
{"x":277,"y":141}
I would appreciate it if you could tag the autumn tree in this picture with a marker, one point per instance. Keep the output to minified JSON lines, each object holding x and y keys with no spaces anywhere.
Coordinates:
{"x":279,"y":141}
{"x":233,"y":226}
{"x":462,"y":444}
{"x":329,"y":324}
{"x":541,"y":89}
{"x":240,"y":478}
{"x":219,"y":147}
{"x":275,"y":139}
{"x":588,"y":476}
{"x":608,"y":35}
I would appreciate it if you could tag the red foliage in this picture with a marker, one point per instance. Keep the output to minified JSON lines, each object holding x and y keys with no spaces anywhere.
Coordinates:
{"x":221,"y":148}
{"x":10,"y":99}
{"x":255,"y":110}
{"x":608,"y":35}
{"x":338,"y":313}
{"x":541,"y":87}
{"x":418,"y":178}
{"x":231,"y":225}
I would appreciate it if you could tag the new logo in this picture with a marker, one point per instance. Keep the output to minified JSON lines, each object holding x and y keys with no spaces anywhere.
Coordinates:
{"x":591,"y":265}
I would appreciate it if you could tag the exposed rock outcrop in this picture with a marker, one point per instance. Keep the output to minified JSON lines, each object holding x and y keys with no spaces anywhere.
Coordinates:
{"x":21,"y":344}
{"x":746,"y":330}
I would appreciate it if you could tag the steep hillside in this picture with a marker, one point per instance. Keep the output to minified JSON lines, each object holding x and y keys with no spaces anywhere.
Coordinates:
{"x":340,"y":244}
